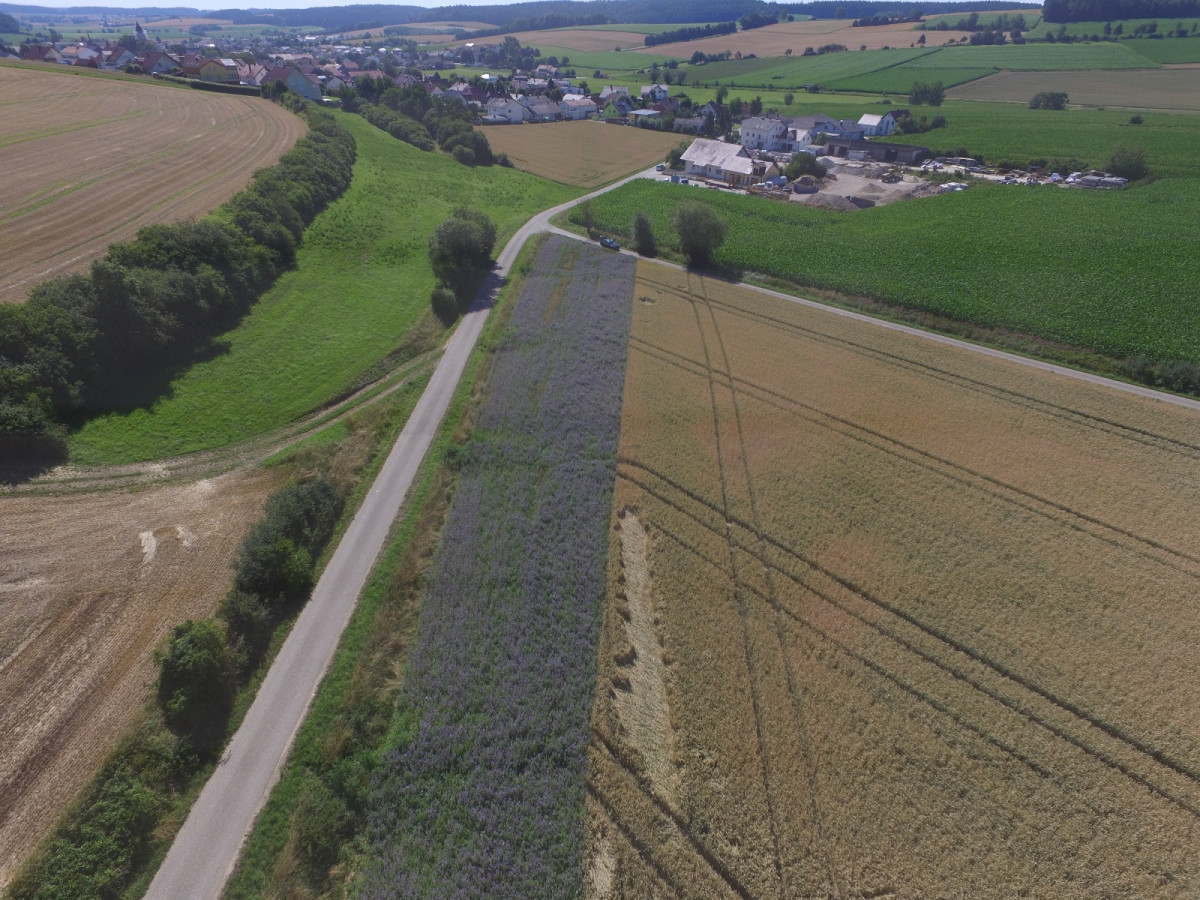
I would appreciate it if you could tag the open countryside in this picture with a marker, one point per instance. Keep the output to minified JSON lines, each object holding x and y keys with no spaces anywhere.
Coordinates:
{"x":698,"y":592}
{"x":888,"y":618}
{"x":72,"y":138}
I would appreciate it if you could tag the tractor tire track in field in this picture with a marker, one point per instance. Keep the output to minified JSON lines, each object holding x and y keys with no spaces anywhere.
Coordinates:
{"x":729,"y":382}
{"x":1019,"y":694}
{"x":743,"y":610}
{"x":1089,"y":420}
{"x":1114,"y":535}
{"x":648,"y":849}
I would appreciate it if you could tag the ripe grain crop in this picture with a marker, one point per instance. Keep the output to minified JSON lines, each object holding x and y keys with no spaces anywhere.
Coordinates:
{"x":582,"y":154}
{"x":924,"y":619}
{"x":483,"y":796}
{"x":1112,"y":271}
{"x":99,"y":158}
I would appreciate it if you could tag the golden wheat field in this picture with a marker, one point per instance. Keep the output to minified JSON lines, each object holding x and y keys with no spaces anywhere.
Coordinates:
{"x":889,"y":618}
{"x":584,"y":154}
{"x":99,"y":158}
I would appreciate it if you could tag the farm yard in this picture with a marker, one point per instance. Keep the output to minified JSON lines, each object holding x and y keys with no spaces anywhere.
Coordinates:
{"x":112,"y":156}
{"x":885,"y":617}
{"x":90,"y":584}
{"x":585,"y":155}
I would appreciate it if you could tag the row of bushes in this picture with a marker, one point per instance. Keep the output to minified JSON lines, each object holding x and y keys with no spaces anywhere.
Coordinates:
{"x":245,"y":90}
{"x":84,"y":344}
{"x":114,"y":831}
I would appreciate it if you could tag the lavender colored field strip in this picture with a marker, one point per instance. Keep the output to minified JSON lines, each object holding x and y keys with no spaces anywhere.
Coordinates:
{"x":484,"y":796}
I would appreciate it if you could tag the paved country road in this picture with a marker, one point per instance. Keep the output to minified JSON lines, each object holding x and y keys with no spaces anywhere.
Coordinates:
{"x":207,"y":847}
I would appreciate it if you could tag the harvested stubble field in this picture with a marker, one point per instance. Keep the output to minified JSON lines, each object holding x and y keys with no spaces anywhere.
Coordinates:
{"x":1161,"y":89}
{"x":89,"y":585}
{"x":100,"y":158}
{"x":889,"y":618}
{"x":582,"y":154}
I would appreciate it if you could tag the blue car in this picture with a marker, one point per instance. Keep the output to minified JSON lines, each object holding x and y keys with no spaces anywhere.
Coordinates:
{"x":609,"y":243}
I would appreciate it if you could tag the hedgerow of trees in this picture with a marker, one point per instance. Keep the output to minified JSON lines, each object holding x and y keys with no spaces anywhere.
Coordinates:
{"x":693,"y":33}
{"x":1048,"y":100}
{"x":1110,"y":10}
{"x":921,"y":94}
{"x":83,"y":343}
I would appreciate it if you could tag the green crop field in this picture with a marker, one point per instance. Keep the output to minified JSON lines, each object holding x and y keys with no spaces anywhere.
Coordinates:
{"x":1087,"y":29}
{"x":1014,"y":132}
{"x":1166,"y":52}
{"x":361,"y":282}
{"x":1112,"y":271}
{"x":1038,"y":57}
{"x":1032,"y":19}
{"x":608,"y":61}
{"x":899,"y":79}
{"x":797,"y":71}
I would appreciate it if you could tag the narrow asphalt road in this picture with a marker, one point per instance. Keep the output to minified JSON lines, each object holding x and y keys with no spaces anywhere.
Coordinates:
{"x":207,"y":846}
{"x":206,"y":849}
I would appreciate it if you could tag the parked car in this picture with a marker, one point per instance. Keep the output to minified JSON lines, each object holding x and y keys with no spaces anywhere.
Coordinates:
{"x":659,"y":167}
{"x":609,"y":243}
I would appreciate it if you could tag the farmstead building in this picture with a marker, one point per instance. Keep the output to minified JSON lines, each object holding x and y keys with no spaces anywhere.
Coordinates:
{"x":879,"y":151}
{"x":730,"y":163}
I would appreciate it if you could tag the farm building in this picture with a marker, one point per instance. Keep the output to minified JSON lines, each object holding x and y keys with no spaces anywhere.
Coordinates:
{"x":730,"y":163}
{"x":577,"y":107}
{"x":504,"y":111}
{"x":879,"y":151}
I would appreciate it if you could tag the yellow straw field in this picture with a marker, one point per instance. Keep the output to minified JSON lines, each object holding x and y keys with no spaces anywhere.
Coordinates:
{"x":888,"y":618}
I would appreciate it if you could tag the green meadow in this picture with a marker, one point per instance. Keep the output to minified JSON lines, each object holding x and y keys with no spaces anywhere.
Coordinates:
{"x":361,"y":284}
{"x":1110,"y":271}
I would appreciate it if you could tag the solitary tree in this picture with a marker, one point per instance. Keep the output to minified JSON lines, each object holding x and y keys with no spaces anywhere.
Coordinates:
{"x":1128,"y":162}
{"x":643,"y":235}
{"x":461,"y":248}
{"x":700,"y":231}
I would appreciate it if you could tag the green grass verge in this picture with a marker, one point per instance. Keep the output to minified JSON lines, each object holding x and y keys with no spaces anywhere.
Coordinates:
{"x":350,"y":724}
{"x":1110,"y":271}
{"x":361,"y":283}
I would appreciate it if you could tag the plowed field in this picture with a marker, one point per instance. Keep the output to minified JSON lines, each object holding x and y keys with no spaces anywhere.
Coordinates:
{"x":888,"y":618}
{"x":89,"y":585}
{"x":90,"y":160}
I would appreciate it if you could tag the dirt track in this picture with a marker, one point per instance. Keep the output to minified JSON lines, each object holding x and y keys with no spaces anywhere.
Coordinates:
{"x":88,"y":587}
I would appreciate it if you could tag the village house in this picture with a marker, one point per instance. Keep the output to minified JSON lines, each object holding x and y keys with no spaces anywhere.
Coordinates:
{"x":540,"y":109}
{"x":611,"y":92}
{"x":118,"y":57}
{"x":218,"y":71}
{"x":156,"y":62}
{"x":297,"y":82}
{"x":882,"y":126}
{"x":577,"y":107}
{"x":730,"y":163}
{"x":655,"y":93}
{"x":504,"y":111}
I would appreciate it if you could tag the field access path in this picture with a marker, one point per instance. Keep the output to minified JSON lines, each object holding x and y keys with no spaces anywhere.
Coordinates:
{"x":206,"y":849}
{"x":207,"y":846}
